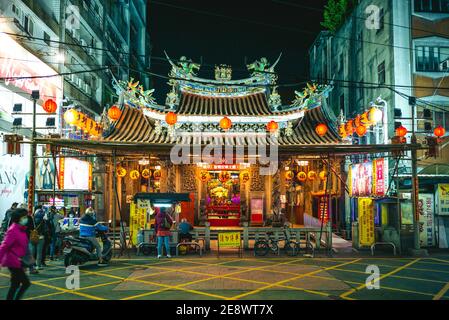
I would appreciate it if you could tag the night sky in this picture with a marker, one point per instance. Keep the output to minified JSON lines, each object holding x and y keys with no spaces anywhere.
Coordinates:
{"x":231,"y":31}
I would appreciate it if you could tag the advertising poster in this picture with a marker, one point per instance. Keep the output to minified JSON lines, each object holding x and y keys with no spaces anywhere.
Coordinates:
{"x":13,"y":171}
{"x":45,"y":174}
{"x":74,"y":174}
{"x":426,"y":220}
{"x":362,"y":179}
{"x":406,"y":213}
{"x":443,"y":199}
{"x":366,"y":221}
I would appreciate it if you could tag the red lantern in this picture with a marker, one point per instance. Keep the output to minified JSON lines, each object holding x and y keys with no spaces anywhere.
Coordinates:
{"x":50,"y":106}
{"x":171,"y":118}
{"x":350,"y":127}
{"x":225,"y":123}
{"x":439,"y":131}
{"x":360,"y":130}
{"x":114,"y":113}
{"x":321,"y":129}
{"x":272,"y":126}
{"x":401,"y":131}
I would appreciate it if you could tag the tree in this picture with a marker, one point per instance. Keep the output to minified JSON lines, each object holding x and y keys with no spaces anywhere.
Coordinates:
{"x":335,"y":13}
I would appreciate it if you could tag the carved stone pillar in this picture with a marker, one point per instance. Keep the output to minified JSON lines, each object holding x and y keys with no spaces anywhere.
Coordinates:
{"x":171,"y":176}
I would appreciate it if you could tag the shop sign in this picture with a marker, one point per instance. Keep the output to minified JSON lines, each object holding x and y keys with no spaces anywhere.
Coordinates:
{"x":443,"y":199}
{"x":17,"y":62}
{"x":366,"y":221}
{"x":229,"y":239}
{"x":380,"y":177}
{"x":361,"y":179}
{"x":137,"y":219}
{"x":323,"y":212}
{"x":426,"y":220}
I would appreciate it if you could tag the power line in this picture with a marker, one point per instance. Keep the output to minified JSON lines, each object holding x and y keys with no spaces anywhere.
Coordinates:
{"x":50,"y":75}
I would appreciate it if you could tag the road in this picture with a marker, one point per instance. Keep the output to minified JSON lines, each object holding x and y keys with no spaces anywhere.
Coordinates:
{"x":248,"y":278}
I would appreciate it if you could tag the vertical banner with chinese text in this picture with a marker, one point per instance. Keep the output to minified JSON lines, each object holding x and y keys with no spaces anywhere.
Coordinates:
{"x":366,"y":221}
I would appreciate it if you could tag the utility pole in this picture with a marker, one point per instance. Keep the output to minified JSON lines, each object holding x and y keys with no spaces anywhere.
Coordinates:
{"x":415,"y":185}
{"x":31,"y":182}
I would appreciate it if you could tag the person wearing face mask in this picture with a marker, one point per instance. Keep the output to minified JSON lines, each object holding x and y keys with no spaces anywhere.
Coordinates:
{"x":12,"y":251}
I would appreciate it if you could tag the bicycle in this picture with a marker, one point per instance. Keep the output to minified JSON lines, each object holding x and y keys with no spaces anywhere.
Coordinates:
{"x":291,"y":247}
{"x":262,"y":247}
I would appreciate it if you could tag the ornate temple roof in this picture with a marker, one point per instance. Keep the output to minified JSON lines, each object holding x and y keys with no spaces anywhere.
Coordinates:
{"x":200,"y":104}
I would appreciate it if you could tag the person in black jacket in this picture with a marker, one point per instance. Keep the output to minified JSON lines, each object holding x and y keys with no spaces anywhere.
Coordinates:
{"x":7,"y":219}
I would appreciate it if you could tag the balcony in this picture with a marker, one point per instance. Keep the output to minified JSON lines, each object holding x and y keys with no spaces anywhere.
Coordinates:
{"x":80,"y":51}
{"x":48,"y":19}
{"x":94,"y":21}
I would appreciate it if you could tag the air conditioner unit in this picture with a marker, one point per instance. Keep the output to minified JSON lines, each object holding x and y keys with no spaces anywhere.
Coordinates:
{"x":444,"y":66}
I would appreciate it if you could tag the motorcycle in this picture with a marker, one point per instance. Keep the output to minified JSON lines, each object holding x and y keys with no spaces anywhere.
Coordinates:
{"x":78,"y":251}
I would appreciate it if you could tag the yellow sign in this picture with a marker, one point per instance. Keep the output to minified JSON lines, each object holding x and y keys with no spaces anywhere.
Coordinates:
{"x":137,"y":220}
{"x":366,"y":221}
{"x":229,"y":240}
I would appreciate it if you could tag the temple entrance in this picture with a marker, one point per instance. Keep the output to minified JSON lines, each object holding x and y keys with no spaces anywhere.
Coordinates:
{"x":223,"y":198}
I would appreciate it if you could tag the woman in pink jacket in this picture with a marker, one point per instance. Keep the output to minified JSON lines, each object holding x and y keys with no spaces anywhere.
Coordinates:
{"x":12,"y":250}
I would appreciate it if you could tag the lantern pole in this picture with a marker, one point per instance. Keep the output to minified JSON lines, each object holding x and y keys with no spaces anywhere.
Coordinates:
{"x":31,"y":183}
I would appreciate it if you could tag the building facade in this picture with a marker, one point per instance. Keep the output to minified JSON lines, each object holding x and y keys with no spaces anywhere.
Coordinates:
{"x":91,"y":43}
{"x":385,"y":52}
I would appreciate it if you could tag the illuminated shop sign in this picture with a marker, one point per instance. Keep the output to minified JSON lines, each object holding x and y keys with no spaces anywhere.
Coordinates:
{"x":16,"y":62}
{"x":369,"y":178}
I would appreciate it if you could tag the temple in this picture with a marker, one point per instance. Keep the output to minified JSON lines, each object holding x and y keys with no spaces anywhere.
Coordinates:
{"x":243,"y":156}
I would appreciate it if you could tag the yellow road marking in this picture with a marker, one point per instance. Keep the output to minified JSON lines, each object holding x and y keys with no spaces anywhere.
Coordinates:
{"x":344,"y":295}
{"x":290,"y":279}
{"x":66,"y":290}
{"x":180,"y":287}
{"x":442,"y":292}
{"x":245,"y":280}
{"x":383,"y":287}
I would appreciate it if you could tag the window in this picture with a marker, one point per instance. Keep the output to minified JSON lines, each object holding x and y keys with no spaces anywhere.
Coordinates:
{"x":381,"y":20}
{"x":381,"y":73}
{"x":428,"y":59}
{"x":435,"y":6}
{"x":46,"y":38}
{"x":29,"y":25}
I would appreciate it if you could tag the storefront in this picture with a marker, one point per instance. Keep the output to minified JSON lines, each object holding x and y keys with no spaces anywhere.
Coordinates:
{"x":376,"y":215}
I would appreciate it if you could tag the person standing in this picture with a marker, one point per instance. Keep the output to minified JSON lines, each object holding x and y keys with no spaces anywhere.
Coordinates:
{"x":12,"y":250}
{"x":162,"y":226}
{"x":55,"y":230}
{"x":7,"y":219}
{"x":41,"y":228}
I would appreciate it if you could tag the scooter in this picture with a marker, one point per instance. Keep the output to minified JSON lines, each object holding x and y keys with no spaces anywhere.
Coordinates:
{"x":78,"y":251}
